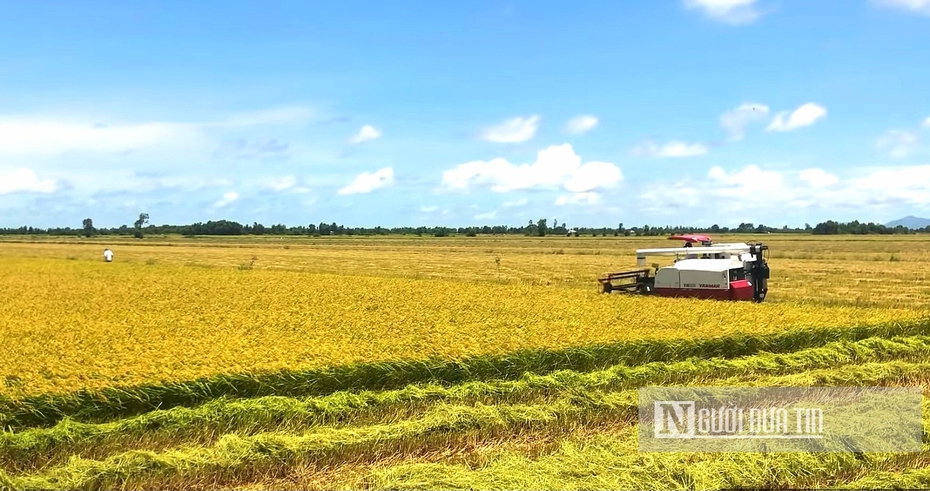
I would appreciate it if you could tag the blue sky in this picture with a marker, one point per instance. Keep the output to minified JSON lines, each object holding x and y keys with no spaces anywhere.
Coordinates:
{"x":457,"y":113}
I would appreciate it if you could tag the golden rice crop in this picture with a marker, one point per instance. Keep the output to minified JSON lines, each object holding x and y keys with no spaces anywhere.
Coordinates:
{"x":79,"y":324}
{"x":886,"y":271}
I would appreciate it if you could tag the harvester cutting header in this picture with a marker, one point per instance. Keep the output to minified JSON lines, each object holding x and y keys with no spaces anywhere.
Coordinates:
{"x":717,"y":271}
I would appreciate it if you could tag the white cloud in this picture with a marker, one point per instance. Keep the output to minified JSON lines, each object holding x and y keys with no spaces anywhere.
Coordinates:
{"x":227,"y":199}
{"x":592,"y":175}
{"x":805,"y":115}
{"x":736,"y":121}
{"x":486,"y":216}
{"x":50,"y":137}
{"x":926,"y":124}
{"x":671,"y":149}
{"x":898,"y":143}
{"x":916,"y":6}
{"x":514,"y":203}
{"x":366,"y":133}
{"x":25,"y":181}
{"x":555,"y":167}
{"x":732,"y":194}
{"x":282,"y":183}
{"x":516,"y":130}
{"x":578,"y":199}
{"x":428,"y":209}
{"x":368,"y":182}
{"x":56,"y":135}
{"x":580,"y":124}
{"x":818,"y":178}
{"x":733,"y":12}
{"x":750,"y":182}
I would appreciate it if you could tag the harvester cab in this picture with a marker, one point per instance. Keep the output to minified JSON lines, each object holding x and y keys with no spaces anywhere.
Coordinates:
{"x":736,"y":271}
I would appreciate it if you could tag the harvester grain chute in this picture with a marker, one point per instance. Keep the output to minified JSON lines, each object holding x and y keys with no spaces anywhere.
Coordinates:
{"x":735,"y":271}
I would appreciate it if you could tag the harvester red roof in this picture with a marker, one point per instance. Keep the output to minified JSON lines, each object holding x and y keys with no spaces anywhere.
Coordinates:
{"x":691,"y":238}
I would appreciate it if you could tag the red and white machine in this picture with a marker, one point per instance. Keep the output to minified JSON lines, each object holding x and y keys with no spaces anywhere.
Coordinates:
{"x":718,"y":271}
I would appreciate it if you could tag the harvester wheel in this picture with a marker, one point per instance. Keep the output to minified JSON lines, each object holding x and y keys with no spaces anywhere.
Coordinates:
{"x":606,"y":287}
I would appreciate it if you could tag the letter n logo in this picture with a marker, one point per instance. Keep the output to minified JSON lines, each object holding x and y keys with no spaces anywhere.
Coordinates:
{"x":674,"y":419}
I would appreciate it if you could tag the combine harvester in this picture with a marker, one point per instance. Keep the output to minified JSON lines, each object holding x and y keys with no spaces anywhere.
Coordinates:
{"x":721,"y":271}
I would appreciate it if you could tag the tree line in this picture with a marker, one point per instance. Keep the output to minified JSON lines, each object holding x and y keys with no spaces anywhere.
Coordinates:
{"x":539,"y":228}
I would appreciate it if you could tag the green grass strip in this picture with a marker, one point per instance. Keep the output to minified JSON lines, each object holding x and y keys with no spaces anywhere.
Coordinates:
{"x":871,"y":360}
{"x":46,"y":410}
{"x":240,"y":458}
{"x":235,"y":456}
{"x":615,"y":463}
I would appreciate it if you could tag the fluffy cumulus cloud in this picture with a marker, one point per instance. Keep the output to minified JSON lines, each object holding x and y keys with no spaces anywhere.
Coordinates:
{"x":25,"y":181}
{"x":367,"y":182}
{"x":745,"y":183}
{"x":737,"y":120}
{"x":916,"y":6}
{"x":926,"y":124}
{"x":557,"y":167}
{"x":898,"y":143}
{"x":900,"y":185}
{"x":515,"y":130}
{"x":365,"y":134}
{"x":818,"y":178}
{"x":805,"y":115}
{"x":775,"y":193}
{"x":226,"y":200}
{"x":735,"y":12}
{"x":580,"y":124}
{"x":669,"y":150}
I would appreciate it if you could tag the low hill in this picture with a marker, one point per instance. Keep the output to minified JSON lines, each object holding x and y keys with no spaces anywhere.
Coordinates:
{"x":911,"y":222}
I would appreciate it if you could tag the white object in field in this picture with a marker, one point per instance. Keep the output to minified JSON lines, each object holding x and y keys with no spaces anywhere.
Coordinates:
{"x":714,"y":265}
{"x":698,"y":273}
{"x":108,"y":255}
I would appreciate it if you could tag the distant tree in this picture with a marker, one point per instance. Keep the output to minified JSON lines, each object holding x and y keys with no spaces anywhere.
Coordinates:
{"x":541,"y":227}
{"x":88,"y":227}
{"x":143,"y":219}
{"x":531,"y":228}
{"x":829,"y":227}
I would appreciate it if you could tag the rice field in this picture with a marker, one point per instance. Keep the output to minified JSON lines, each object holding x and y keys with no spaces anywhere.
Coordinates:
{"x":424,"y":363}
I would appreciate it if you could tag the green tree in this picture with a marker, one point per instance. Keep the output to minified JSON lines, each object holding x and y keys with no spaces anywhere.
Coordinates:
{"x":541,"y":227}
{"x":88,"y":227}
{"x":531,"y":228}
{"x":143,"y":219}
